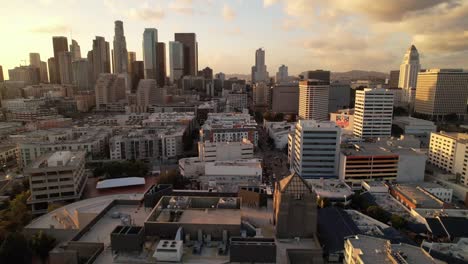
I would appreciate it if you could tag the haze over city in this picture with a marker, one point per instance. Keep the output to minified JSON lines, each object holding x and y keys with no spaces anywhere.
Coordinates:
{"x":303,"y":34}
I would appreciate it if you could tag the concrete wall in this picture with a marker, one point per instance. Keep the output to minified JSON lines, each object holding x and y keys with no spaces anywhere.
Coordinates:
{"x":124,"y":239}
{"x":296,"y":218}
{"x":411,"y":168}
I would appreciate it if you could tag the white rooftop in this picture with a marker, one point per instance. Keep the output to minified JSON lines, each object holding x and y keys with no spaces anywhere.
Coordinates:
{"x":120,"y":182}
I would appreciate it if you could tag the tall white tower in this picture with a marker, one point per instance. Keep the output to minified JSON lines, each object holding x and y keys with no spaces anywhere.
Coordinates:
{"x":120,"y":49}
{"x":409,"y":70}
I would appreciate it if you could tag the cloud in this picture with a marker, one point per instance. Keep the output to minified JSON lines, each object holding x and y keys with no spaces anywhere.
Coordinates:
{"x":51,"y":28}
{"x":182,"y":6}
{"x":267,"y":3}
{"x":146,"y":13}
{"x":228,"y":13}
{"x":234,"y":31}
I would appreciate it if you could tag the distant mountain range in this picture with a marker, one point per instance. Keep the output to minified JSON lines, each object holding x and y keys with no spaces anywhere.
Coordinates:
{"x":341,"y":76}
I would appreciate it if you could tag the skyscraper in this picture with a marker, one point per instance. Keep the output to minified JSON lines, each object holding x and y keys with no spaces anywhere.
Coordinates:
{"x":60,"y":44}
{"x":189,"y":41}
{"x":313,"y":99}
{"x":409,"y":70}
{"x":35,"y":60}
{"x":65,"y":66}
{"x":441,"y":92}
{"x":100,"y":57}
{"x":176,"y":60}
{"x":81,"y":74}
{"x":373,"y":113}
{"x":120,"y":49}
{"x":27,"y":74}
{"x":394,"y":79}
{"x":259,"y":70}
{"x":138,"y":73}
{"x":282,"y":74}
{"x":1,"y":74}
{"x":52,"y":70}
{"x":150,"y":43}
{"x":131,"y":58}
{"x":75,"y":50}
{"x":314,"y":149}
{"x":43,"y":72}
{"x":161,"y":64}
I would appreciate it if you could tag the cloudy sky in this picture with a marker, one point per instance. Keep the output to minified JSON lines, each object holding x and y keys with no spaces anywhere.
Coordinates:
{"x":338,"y":35}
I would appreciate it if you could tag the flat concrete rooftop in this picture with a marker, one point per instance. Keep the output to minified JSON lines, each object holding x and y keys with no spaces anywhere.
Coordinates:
{"x":204,"y":216}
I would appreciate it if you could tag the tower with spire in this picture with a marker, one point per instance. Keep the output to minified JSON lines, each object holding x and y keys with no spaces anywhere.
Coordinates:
{"x":409,"y":70}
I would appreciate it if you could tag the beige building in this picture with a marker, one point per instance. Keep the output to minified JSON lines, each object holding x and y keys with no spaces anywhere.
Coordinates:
{"x":261,"y":95}
{"x":313,"y":99}
{"x":373,"y":113}
{"x":54,"y":177}
{"x":148,"y":93}
{"x":219,"y":151}
{"x":109,"y":88}
{"x":449,"y":151}
{"x":285,"y":98}
{"x":441,"y":91}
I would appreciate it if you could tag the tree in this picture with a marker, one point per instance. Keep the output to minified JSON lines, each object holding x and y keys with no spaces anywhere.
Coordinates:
{"x":41,"y":244}
{"x":378,"y":213}
{"x":15,"y":249}
{"x":397,"y":221}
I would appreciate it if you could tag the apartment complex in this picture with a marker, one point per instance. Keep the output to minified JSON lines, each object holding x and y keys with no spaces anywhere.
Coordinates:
{"x":313,"y":99}
{"x":373,"y":113}
{"x":441,"y":92}
{"x":56,"y":176}
{"x":229,"y":127}
{"x":314,"y":149}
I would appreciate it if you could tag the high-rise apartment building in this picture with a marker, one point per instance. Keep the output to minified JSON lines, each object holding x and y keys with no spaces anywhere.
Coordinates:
{"x":176,"y":60}
{"x":109,"y":88}
{"x":52,"y":70}
{"x":409,"y":70}
{"x":441,"y":92}
{"x":190,"y":55}
{"x":313,"y":99}
{"x":394,"y":79}
{"x":100,"y":57}
{"x":373,"y":113}
{"x":161,"y":64}
{"x":150,"y":44}
{"x":131,"y":57}
{"x":75,"y":50}
{"x":120,"y":60}
{"x":314,"y":149}
{"x":148,"y":93}
{"x":65,"y":67}
{"x":56,"y":177}
{"x":60,"y":44}
{"x":259,"y":70}
{"x":82,"y":74}
{"x":282,"y":74}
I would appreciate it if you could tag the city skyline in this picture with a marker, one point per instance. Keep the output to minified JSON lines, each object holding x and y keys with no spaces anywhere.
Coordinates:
{"x":346,"y":37}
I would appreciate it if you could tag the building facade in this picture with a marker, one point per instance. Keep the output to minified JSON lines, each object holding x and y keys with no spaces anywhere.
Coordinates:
{"x":150,"y":43}
{"x":314,"y":149}
{"x":313,"y":99}
{"x":60,"y":44}
{"x":408,"y":75}
{"x":373,"y":113}
{"x":190,"y":54}
{"x":285,"y":98}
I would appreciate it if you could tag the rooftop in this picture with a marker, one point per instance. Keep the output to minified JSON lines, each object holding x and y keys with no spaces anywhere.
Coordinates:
{"x":58,"y":159}
{"x":418,"y":196}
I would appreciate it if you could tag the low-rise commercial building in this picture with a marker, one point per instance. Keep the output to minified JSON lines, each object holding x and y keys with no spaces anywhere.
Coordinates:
{"x":335,"y":191}
{"x":56,"y":176}
{"x":419,"y":128}
{"x":220,"y":151}
{"x":413,"y":197}
{"x":279,"y":132}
